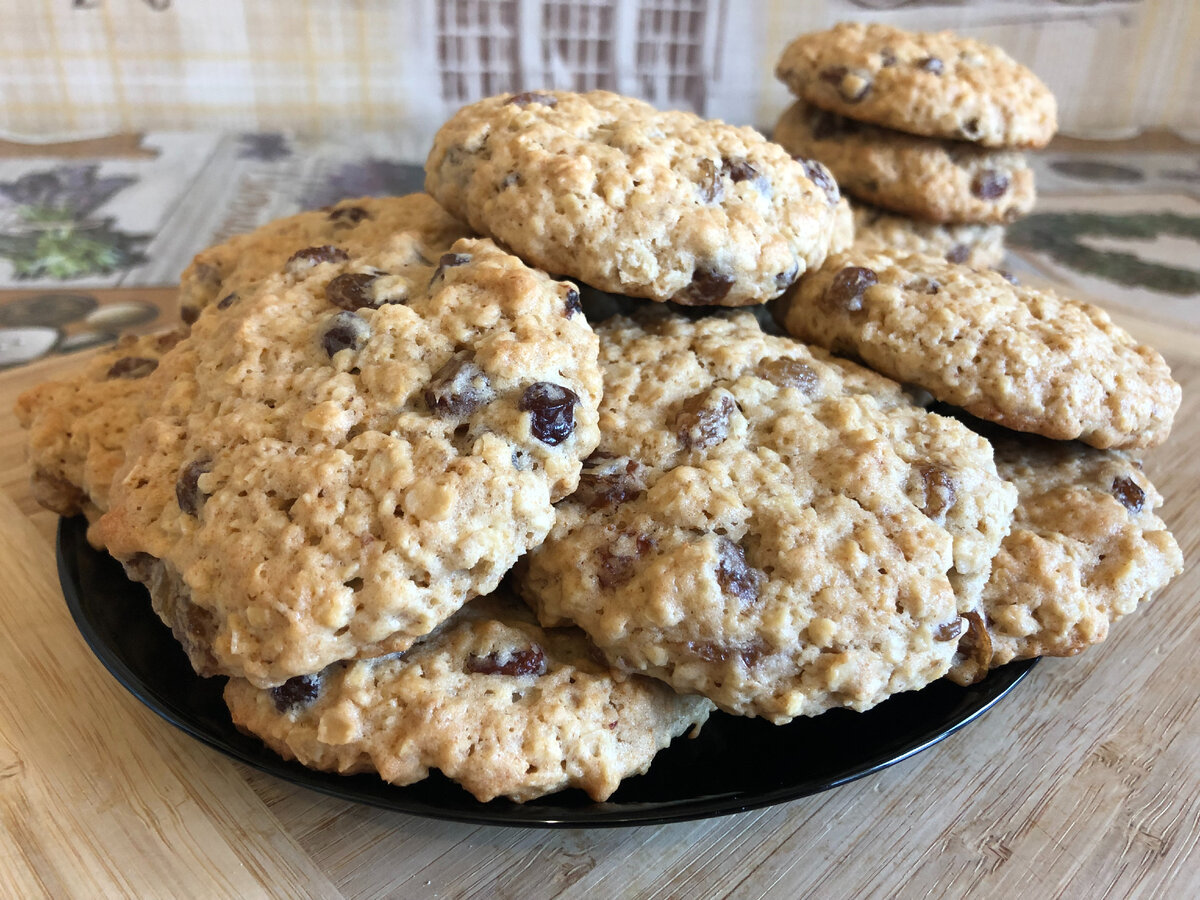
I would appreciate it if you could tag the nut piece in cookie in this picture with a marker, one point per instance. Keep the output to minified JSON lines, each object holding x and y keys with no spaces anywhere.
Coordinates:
{"x":933,"y":84}
{"x":1023,"y":358}
{"x":344,"y":456}
{"x":608,"y":190}
{"x":503,"y":707}
{"x":777,"y":530}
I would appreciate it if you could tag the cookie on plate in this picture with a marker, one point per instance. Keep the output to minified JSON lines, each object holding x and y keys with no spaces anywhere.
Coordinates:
{"x":1086,"y":548}
{"x":1024,"y":358}
{"x":503,"y":707}
{"x":775,"y":529}
{"x":979,"y":246}
{"x":610,"y":191}
{"x":345,"y":455}
{"x":936,"y":180}
{"x":351,"y":226}
{"x":78,"y":425}
{"x":933,"y":84}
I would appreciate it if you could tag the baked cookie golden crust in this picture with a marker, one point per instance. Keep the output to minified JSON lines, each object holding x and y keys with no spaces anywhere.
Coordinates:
{"x":1086,"y":548}
{"x":777,"y":530}
{"x":627,"y":199}
{"x":1024,"y":358}
{"x":352,"y":226}
{"x":932,"y":84}
{"x":936,"y":180}
{"x":345,"y":455}
{"x":503,"y":707}
{"x":978,"y":246}
{"x":78,"y":426}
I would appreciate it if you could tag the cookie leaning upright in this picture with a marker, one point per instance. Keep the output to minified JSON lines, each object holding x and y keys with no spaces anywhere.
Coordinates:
{"x":1024,"y":358}
{"x":933,"y":84}
{"x":627,"y":199}
{"x":775,"y":529}
{"x":346,"y":454}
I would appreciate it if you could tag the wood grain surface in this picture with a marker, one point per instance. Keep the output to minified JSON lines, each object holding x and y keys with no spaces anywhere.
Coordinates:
{"x":1084,"y":783}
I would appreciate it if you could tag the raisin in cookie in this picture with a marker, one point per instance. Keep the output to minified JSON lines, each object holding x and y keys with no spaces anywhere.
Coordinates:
{"x":940,"y":181}
{"x":933,"y":84}
{"x":1086,"y":548}
{"x":351,"y":226}
{"x":494,"y":702}
{"x":1023,"y":358}
{"x":777,"y":530}
{"x":78,"y":425}
{"x":979,"y":246}
{"x":345,"y":455}
{"x":662,"y":205}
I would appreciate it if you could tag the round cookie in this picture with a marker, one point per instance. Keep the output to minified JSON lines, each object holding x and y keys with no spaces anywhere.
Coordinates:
{"x":78,"y":425}
{"x":1024,"y":358}
{"x":777,"y":530}
{"x":1086,"y":548}
{"x":940,"y":181}
{"x":352,"y":226}
{"x":491,"y":700}
{"x":932,"y":84}
{"x":979,"y":246}
{"x":608,"y":190}
{"x":345,"y":455}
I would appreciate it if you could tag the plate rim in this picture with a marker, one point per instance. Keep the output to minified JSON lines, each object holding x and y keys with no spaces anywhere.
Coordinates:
{"x":71,"y":532}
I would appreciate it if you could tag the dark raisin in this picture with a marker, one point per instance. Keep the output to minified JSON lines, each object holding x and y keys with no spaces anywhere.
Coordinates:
{"x":958,"y":254}
{"x":132,"y":367}
{"x":531,"y":661}
{"x":298,"y":691}
{"x":736,"y":576}
{"x":846,"y":290}
{"x":989,"y":185}
{"x":348,"y":215}
{"x":227,"y":301}
{"x":449,"y":261}
{"x":345,"y":331}
{"x":931,"y":64}
{"x":187,"y":487}
{"x":616,"y":563}
{"x":608,"y":481}
{"x":740,"y":170}
{"x":552,"y":409}
{"x":852,"y":84}
{"x":1007,"y":276}
{"x":824,"y":124}
{"x":789,"y":373}
{"x":525,"y":98}
{"x":351,"y":291}
{"x":819,"y":175}
{"x":459,"y":387}
{"x":1129,"y":493}
{"x":722,"y":653}
{"x":711,"y":187}
{"x":970,"y":129}
{"x":788,"y":277}
{"x":976,"y":644}
{"x":312,"y":256}
{"x":703,"y":420}
{"x":887,"y":57}
{"x":572,"y":304}
{"x":924,"y":284}
{"x":940,"y":492}
{"x":189,"y":314}
{"x":951,"y":631}
{"x":708,"y":286}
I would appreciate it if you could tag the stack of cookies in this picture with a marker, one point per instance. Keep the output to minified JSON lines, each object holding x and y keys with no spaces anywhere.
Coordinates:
{"x":391,"y":418}
{"x":924,"y":130}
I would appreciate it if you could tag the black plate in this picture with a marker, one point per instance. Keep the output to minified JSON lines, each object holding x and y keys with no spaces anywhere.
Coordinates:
{"x":734,"y":765}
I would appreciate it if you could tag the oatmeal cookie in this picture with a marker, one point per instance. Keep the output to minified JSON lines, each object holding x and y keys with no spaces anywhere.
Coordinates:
{"x":494,"y":702}
{"x":610,"y":191}
{"x":1024,"y":358}
{"x":345,"y":455}
{"x":767,"y":526}
{"x":978,"y":246}
{"x":352,"y":226}
{"x":936,"y":180}
{"x":932,"y":84}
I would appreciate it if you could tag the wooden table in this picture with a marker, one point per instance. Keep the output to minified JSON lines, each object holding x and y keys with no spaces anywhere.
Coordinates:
{"x":1084,"y":783}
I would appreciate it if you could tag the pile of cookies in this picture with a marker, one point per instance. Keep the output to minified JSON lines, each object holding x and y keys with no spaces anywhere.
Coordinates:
{"x":387,"y":419}
{"x":924,"y":131}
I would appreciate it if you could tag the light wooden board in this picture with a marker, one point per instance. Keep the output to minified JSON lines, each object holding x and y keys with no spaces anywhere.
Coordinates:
{"x":1084,"y":783}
